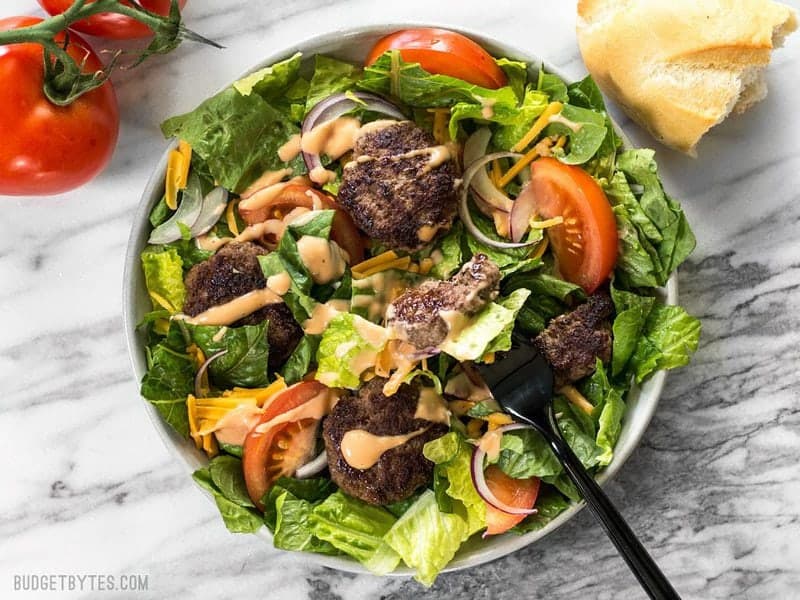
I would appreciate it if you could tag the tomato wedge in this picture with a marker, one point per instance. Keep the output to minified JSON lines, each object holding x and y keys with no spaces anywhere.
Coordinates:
{"x":520,"y":493}
{"x":344,"y":231}
{"x":281,"y":449}
{"x":443,"y":52}
{"x":585,"y":244}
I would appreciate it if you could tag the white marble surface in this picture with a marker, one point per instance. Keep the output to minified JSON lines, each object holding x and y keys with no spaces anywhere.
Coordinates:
{"x":90,"y":488}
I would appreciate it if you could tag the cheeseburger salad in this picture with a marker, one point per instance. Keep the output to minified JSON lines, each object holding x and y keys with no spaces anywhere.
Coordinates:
{"x":339,"y":244}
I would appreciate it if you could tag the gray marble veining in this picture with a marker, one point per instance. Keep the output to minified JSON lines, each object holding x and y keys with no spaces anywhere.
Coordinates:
{"x":713,"y":488}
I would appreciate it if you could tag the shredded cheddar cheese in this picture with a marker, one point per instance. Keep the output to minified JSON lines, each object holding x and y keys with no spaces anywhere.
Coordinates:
{"x":205,"y":413}
{"x":546,"y":223}
{"x":540,"y":249}
{"x":474,"y":428}
{"x":497,"y":420}
{"x":161,"y":301}
{"x":375,"y":261}
{"x":398,"y":263}
{"x":538,"y":126}
{"x":230,"y":218}
{"x":574,"y":396}
{"x":177,"y":173}
{"x":460,"y":407}
{"x":497,"y":173}
{"x":441,"y":117}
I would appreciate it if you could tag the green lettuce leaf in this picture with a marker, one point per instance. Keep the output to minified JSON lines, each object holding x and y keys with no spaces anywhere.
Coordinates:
{"x":548,"y":298}
{"x":301,"y":359}
{"x":245,"y":362}
{"x":669,"y":339}
{"x":511,"y":130}
{"x":452,"y":456}
{"x":632,"y":312}
{"x":237,"y":518}
{"x":676,"y":238}
{"x":488,"y":331}
{"x":427,"y":538}
{"x":414,"y":86}
{"x":330,"y":77}
{"x":273,"y":82}
{"x":169,"y":379}
{"x":586,"y":141}
{"x":237,"y":136}
{"x":227,"y":475}
{"x":450,"y":248}
{"x":357,"y":529}
{"x":552,"y":85}
{"x":163,"y":275}
{"x":508,"y":260}
{"x":514,"y":120}
{"x":517,"y":73}
{"x":343,"y":353}
{"x":293,"y":529}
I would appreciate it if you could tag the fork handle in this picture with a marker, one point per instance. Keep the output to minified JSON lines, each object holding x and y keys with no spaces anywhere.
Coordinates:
{"x":640,"y":562}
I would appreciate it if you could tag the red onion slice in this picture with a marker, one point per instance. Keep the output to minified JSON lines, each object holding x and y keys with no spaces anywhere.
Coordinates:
{"x":313,"y":467}
{"x":198,"y":389}
{"x":521,"y":214}
{"x":213,"y":206}
{"x":479,"y":479}
{"x":463,"y":207}
{"x":482,"y":186}
{"x":187,"y":213}
{"x":335,"y":106}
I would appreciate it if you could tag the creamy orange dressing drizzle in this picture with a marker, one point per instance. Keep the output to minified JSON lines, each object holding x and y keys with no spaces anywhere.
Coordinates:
{"x":235,"y":424}
{"x":321,"y":175}
{"x":333,"y":138}
{"x":324,"y":259}
{"x":362,"y":449}
{"x":490,"y":443}
{"x":316,"y":408}
{"x":274,"y":227}
{"x":211,"y":243}
{"x":232,"y":311}
{"x":559,"y":118}
{"x":279,"y":283}
{"x":267,"y":179}
{"x":431,"y":407}
{"x":456,"y":322}
{"x":426,"y":232}
{"x":290,"y":149}
{"x":322,"y":315}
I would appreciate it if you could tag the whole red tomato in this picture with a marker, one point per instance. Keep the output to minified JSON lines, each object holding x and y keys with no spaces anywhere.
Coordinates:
{"x":111,"y":25}
{"x":48,"y":149}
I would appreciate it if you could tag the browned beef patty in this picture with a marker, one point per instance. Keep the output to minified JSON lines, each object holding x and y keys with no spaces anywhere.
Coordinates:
{"x":394,"y":198}
{"x":232,"y":272}
{"x":415,"y":315}
{"x":399,"y":471}
{"x":572,"y":342}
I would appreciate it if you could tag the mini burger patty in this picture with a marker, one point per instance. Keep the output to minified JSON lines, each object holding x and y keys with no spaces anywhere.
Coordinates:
{"x":399,"y":471}
{"x":396,"y":196}
{"x":416,"y":314}
{"x":232,"y":272}
{"x":573,"y":342}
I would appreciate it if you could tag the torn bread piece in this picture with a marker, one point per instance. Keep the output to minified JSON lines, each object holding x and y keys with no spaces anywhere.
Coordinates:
{"x":679,"y":68}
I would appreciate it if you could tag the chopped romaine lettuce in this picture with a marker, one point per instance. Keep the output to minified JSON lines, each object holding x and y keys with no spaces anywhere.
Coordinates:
{"x":357,"y":529}
{"x":245,"y":360}
{"x":237,"y":136}
{"x":330,"y":77}
{"x":349,"y":346}
{"x":488,"y":331}
{"x":163,"y":275}
{"x":427,"y":538}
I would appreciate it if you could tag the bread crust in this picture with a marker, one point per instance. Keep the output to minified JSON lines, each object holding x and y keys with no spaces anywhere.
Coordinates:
{"x":679,"y":67}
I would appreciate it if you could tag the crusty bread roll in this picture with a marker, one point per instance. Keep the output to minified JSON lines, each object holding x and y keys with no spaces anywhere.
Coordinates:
{"x":679,"y":67}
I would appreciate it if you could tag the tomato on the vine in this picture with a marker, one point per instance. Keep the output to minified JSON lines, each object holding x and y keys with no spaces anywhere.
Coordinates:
{"x":49,"y":149}
{"x":111,"y":25}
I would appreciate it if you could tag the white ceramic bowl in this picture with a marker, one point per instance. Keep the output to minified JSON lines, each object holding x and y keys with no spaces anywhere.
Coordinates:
{"x":353,"y":45}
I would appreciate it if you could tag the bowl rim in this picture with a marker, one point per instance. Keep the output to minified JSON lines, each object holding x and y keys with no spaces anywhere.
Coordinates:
{"x":491,"y":550}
